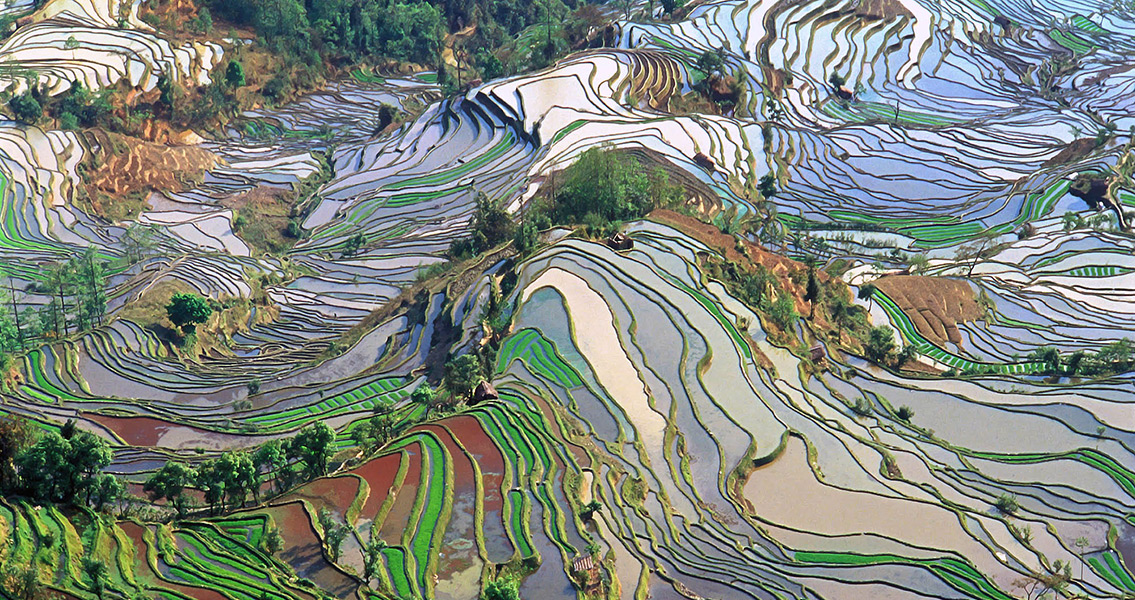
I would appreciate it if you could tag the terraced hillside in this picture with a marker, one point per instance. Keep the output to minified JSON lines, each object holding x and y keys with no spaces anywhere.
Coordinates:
{"x":878,"y":349}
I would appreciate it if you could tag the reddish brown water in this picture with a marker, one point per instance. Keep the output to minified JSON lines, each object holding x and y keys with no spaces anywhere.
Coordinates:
{"x":379,"y":474}
{"x":488,"y":456}
{"x":398,"y":519}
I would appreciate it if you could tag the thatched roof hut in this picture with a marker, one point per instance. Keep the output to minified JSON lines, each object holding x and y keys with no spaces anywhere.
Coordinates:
{"x":484,"y":391}
{"x":620,"y":241}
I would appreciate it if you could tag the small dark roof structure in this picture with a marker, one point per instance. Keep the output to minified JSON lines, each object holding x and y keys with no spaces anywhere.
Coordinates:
{"x":817,"y":353}
{"x":1003,"y":21}
{"x":484,"y":391}
{"x":705,"y":162}
{"x":843,"y":93}
{"x":620,"y":241}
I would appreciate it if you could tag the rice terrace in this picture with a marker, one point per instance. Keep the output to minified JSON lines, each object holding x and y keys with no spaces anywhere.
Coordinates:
{"x":551,"y":299}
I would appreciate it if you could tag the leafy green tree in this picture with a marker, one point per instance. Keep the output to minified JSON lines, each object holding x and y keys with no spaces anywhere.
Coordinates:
{"x":95,"y":571}
{"x":271,"y":460}
{"x":58,"y":469}
{"x":273,"y":541}
{"x":210,"y":480}
{"x":187,"y":311}
{"x":525,"y":239}
{"x":711,"y":63}
{"x":606,"y":185}
{"x":502,"y":588}
{"x":372,"y":555}
{"x":354,"y":244}
{"x":234,"y":74}
{"x":880,"y":344}
{"x":588,"y":511}
{"x":169,"y":483}
{"x":373,"y":433}
{"x":106,"y":489}
{"x":462,"y":374}
{"x":767,"y":186}
{"x":26,"y":108}
{"x":491,"y":224}
{"x":1049,"y":357}
{"x":782,"y":312}
{"x":240,"y":477}
{"x":312,"y":447}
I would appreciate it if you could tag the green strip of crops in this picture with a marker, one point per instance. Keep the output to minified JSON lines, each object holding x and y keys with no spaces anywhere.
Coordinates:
{"x":958,"y":574}
{"x":927,"y":348}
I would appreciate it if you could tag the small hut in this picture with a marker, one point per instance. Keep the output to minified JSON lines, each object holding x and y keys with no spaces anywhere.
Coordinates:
{"x":705,"y":162}
{"x":620,"y":241}
{"x":587,"y":573}
{"x":484,"y":392}
{"x":817,"y":354}
{"x":844,"y":94}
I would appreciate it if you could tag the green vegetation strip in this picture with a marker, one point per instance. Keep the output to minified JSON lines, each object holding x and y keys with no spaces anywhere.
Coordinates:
{"x":957,"y":574}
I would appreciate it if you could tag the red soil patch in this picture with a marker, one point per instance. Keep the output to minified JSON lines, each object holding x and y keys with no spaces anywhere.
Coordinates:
{"x":934,"y":304}
{"x":455,"y":557}
{"x":398,"y":519}
{"x":303,"y":550}
{"x":379,"y":474}
{"x":333,"y":493}
{"x":488,"y":457}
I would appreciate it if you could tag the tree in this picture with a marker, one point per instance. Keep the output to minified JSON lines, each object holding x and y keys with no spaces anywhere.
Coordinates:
{"x":138,"y":241}
{"x":273,"y":541}
{"x":1007,"y":504}
{"x":1082,"y":544}
{"x":588,"y":511}
{"x":372,"y":555}
{"x":711,"y":63}
{"x":525,"y":239}
{"x":106,"y":489}
{"x":187,"y":311}
{"x":907,"y":354}
{"x":767,"y":186}
{"x":240,"y":477}
{"x":462,"y":374}
{"x":26,"y":108}
{"x":169,"y":482}
{"x":57,"y":469}
{"x":354,"y":244}
{"x":333,"y":533}
{"x":210,"y":480}
{"x":880,"y":344}
{"x":95,"y":570}
{"x":16,"y":435}
{"x":312,"y":447}
{"x":271,"y":460}
{"x":841,"y":312}
{"x":502,"y":588}
{"x":905,"y":413}
{"x":234,"y":74}
{"x":372,"y":434}
{"x":491,"y":224}
{"x":782,"y":312}
{"x":1049,"y":357}
{"x":812,"y":291}
{"x":91,"y":270}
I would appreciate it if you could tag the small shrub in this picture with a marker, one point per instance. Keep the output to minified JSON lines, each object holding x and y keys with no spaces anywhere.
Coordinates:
{"x":1007,"y":504}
